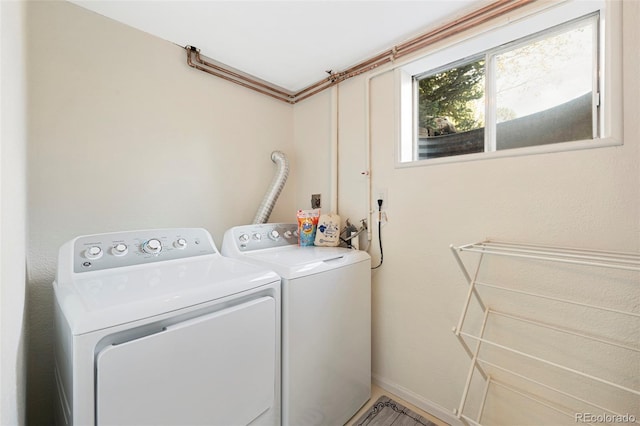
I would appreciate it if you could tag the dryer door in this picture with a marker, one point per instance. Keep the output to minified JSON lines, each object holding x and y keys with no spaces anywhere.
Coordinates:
{"x":218,"y":369}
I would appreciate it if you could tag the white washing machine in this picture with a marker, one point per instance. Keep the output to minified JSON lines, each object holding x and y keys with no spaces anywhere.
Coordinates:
{"x":326,"y":321}
{"x":157,"y":328}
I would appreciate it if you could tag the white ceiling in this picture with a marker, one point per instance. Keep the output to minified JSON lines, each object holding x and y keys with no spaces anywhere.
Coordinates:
{"x":287,"y":43}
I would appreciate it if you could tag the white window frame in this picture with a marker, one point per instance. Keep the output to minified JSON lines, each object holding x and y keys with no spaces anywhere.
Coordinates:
{"x":610,"y":79}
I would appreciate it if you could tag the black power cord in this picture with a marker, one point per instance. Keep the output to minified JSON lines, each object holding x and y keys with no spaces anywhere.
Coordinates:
{"x":380,"y":233}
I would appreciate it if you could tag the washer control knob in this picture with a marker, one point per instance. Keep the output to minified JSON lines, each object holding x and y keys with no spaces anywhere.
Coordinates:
{"x":93,"y":252}
{"x":180,"y":243}
{"x":288,"y":234}
{"x":274,"y":235}
{"x":257,"y":236}
{"x":243,"y":238}
{"x":120,"y":249}
{"x":153,"y":246}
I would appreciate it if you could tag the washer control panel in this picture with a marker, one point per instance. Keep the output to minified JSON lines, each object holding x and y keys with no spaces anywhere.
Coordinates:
{"x":263,"y":236}
{"x":114,"y":250}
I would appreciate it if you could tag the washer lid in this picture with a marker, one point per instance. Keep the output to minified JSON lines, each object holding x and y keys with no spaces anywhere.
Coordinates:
{"x":101,"y":299}
{"x":294,"y":261}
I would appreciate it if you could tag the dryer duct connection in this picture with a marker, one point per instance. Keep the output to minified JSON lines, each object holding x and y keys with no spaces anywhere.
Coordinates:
{"x":270,"y":198}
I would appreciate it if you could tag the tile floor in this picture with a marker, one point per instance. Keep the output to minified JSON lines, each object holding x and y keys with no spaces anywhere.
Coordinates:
{"x":377,"y":392}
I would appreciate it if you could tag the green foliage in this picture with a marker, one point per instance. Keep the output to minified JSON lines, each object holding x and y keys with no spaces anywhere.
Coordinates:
{"x":451,"y":94}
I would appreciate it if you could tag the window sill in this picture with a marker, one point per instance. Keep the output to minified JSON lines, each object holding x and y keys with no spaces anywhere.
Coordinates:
{"x":516,"y":152}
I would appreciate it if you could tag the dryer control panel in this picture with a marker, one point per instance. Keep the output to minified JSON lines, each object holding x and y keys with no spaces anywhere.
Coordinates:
{"x":260,"y":236}
{"x":114,"y":250}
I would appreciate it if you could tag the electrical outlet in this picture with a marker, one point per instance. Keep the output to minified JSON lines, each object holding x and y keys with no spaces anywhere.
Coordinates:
{"x":315,"y":201}
{"x":381,"y":194}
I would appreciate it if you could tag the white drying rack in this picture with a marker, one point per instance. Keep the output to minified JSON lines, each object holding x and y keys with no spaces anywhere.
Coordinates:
{"x":576,"y":256}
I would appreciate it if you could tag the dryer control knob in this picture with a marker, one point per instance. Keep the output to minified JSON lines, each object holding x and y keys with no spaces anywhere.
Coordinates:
{"x":120,"y":249}
{"x":180,"y":243}
{"x":243,"y":238}
{"x":274,"y":235}
{"x":153,"y":246}
{"x":93,"y":252}
{"x":257,"y":236}
{"x":288,"y":234}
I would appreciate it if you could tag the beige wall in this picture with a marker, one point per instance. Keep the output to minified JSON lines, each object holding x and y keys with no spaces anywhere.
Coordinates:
{"x":124,"y":135}
{"x":12,"y":213}
{"x":588,"y":198}
{"x":312,"y":132}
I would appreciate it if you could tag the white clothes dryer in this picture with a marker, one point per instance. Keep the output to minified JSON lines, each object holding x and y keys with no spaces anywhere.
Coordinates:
{"x":326,"y":321}
{"x":155,"y":327}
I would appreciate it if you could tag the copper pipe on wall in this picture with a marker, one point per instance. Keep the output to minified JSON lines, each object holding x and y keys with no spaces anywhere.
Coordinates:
{"x":336,"y":78}
{"x":460,"y":24}
{"x":320,"y":89}
{"x":322,"y":82}
{"x":236,"y":78}
{"x":492,"y":11}
{"x":479,"y":16}
{"x":240,"y":76}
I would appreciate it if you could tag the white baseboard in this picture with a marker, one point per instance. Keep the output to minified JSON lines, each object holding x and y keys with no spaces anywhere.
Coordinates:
{"x":417,"y":400}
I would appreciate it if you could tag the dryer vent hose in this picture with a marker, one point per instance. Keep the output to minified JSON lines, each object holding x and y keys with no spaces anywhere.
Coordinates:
{"x":270,"y":198}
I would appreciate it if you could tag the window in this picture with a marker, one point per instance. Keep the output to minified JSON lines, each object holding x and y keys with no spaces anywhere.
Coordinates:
{"x":541,"y":89}
{"x":451,"y":110}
